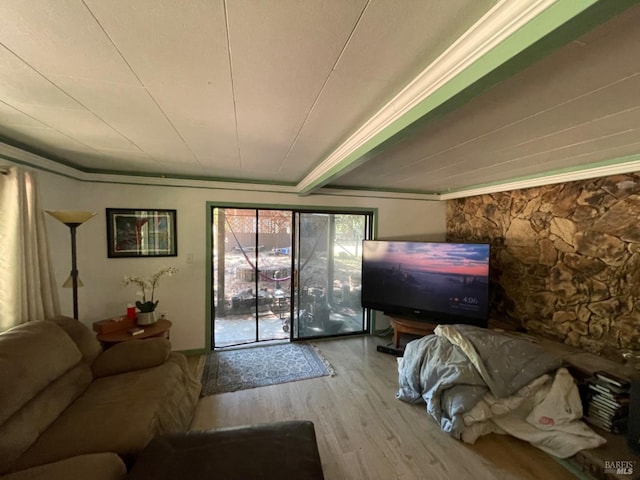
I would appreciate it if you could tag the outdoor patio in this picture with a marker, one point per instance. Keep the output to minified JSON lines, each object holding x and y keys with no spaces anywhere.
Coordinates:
{"x":241,"y":329}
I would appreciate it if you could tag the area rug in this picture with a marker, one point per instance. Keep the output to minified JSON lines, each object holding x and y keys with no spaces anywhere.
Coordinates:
{"x":244,"y":368}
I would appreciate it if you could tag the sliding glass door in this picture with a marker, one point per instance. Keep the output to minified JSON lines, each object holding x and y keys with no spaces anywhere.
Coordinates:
{"x":328,"y":261}
{"x":251,"y":275}
{"x":284,"y":274}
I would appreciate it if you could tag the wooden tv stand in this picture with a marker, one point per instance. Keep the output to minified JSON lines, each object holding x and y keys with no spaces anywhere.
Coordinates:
{"x":414,"y":327}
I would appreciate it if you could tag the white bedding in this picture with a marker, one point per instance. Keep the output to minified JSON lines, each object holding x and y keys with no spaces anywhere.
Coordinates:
{"x":475,"y":382}
{"x":545,"y":413}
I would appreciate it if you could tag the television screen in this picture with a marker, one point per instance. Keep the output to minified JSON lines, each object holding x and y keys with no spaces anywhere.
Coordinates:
{"x":436,"y":282}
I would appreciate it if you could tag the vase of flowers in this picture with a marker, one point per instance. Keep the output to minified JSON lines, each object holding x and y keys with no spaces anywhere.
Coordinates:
{"x":147,"y":307}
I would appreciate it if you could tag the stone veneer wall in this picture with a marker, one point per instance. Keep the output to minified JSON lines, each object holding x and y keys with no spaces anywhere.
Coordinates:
{"x":565,"y":259}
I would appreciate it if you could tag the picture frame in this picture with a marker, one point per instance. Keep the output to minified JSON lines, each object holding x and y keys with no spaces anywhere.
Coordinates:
{"x":139,"y":232}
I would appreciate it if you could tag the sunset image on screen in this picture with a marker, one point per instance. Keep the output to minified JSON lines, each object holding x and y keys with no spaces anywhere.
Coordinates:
{"x":453,"y":258}
{"x":442,"y":282}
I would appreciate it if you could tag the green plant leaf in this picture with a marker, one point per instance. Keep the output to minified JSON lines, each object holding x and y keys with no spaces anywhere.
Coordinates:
{"x":146,"y":307}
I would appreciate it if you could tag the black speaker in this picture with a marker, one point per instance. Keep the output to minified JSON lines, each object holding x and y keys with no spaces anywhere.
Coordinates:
{"x":633,"y":426}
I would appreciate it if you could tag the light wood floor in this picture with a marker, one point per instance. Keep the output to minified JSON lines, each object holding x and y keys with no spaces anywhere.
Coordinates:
{"x":365,"y":433}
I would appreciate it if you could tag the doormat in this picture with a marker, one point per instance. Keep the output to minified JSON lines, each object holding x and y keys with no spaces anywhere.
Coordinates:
{"x":245,"y":368}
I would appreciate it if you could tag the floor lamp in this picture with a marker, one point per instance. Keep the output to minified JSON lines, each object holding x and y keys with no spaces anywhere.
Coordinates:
{"x":72,"y":219}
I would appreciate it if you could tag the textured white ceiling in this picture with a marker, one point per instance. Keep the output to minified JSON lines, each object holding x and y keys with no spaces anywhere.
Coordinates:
{"x":578,"y":106}
{"x":267,"y":90}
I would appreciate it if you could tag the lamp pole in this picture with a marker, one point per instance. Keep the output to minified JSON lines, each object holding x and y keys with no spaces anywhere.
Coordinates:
{"x":74,"y":268}
{"x":72,"y":219}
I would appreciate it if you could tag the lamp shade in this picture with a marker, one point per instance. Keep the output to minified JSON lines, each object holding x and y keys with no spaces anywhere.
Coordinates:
{"x":71,"y":217}
{"x":69,"y":282}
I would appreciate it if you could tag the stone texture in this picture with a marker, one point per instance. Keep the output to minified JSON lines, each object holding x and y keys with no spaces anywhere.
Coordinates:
{"x":561,"y":316}
{"x":540,"y":304}
{"x":591,"y":197}
{"x":598,"y":327}
{"x":583,"y":215}
{"x":520,"y":232}
{"x":609,"y":249}
{"x":628,"y":278}
{"x":632,"y":234}
{"x":589,"y":266}
{"x":548,"y":253}
{"x":629,"y":333}
{"x":590,"y":344}
{"x":563,"y":228}
{"x":481,"y":224}
{"x":561,"y":281}
{"x":565,"y":258}
{"x":606,"y":308}
{"x":583,"y":314}
{"x":573,"y":339}
{"x":540,"y":221}
{"x":528,"y":254}
{"x":620,"y":186}
{"x":580,"y":328}
{"x":562,"y":321}
{"x":598,"y":290}
{"x":565,"y":202}
{"x":533,"y":205}
{"x":562,"y":246}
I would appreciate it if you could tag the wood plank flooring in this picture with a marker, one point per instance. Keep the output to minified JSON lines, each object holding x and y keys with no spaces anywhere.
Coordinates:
{"x":365,"y":433}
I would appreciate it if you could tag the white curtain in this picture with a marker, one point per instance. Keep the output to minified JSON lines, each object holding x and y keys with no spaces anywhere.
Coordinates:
{"x":27,"y":287}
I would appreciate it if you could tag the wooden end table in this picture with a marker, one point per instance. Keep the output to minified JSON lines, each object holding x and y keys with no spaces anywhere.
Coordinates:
{"x":157,"y":329}
{"x":402,"y":325}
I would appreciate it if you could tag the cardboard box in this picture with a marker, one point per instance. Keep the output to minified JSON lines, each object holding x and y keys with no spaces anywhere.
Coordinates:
{"x":113,"y":324}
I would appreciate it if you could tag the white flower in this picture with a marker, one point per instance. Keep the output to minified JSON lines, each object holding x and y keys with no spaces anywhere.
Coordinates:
{"x":148,"y":283}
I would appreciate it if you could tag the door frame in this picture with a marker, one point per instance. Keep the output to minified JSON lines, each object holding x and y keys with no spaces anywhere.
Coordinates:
{"x":210,"y":205}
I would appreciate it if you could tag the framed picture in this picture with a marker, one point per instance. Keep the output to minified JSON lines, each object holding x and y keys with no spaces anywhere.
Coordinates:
{"x":135,"y":232}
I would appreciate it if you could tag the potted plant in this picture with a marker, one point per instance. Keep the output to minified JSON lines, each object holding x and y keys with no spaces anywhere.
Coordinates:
{"x":147,"y":314}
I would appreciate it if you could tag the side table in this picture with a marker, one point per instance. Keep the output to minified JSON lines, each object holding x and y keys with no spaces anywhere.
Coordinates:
{"x":415,"y":327}
{"x":158,"y":329}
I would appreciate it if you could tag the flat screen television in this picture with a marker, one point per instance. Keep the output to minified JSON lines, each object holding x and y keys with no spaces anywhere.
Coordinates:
{"x":435,"y":282}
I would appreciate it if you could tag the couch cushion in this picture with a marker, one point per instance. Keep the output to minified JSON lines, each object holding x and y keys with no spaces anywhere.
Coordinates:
{"x":132,"y":355}
{"x":98,"y":466}
{"x":121,"y":414}
{"x":83,"y":337}
{"x":24,"y":427}
{"x":32,"y":356}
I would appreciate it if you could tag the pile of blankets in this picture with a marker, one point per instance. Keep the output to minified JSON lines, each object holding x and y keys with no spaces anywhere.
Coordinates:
{"x":475,"y":381}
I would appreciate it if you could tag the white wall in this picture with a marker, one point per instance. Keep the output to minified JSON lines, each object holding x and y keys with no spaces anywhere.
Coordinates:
{"x":183,"y":296}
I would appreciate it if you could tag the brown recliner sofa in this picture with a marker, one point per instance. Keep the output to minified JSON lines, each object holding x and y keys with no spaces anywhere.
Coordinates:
{"x":68,"y":409}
